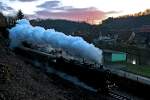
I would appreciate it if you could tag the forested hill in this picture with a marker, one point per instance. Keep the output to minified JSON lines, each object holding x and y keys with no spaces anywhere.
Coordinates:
{"x":65,"y":26}
{"x":89,"y":32}
{"x":125,"y":22}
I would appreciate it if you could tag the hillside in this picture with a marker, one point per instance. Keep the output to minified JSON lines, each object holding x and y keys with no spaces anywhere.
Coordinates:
{"x":65,"y":26}
{"x":87,"y":31}
{"x":124,"y":23}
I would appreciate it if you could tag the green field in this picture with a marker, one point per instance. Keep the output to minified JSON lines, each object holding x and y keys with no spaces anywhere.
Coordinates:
{"x":137,"y":69}
{"x":143,"y":70}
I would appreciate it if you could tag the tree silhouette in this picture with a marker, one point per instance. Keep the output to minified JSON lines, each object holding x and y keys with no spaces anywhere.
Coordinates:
{"x":20,"y":15}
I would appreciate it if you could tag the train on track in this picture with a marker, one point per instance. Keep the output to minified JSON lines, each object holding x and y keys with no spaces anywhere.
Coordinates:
{"x":83,"y":70}
{"x":92,"y":74}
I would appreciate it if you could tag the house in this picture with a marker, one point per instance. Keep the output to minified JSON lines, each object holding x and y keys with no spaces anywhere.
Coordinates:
{"x":113,"y":56}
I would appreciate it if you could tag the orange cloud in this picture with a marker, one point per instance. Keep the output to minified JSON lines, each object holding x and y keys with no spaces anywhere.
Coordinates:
{"x":90,"y":15}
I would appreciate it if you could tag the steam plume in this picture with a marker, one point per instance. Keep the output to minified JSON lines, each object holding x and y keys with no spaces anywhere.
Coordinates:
{"x":24,"y":31}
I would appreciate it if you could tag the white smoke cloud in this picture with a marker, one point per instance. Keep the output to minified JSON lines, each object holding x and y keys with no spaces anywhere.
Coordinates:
{"x":24,"y":31}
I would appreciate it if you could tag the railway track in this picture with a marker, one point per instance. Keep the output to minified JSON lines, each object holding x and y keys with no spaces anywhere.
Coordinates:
{"x":118,"y":96}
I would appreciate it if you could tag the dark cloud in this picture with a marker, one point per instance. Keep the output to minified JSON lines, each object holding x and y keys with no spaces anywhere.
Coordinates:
{"x":113,"y":12}
{"x":63,"y":8}
{"x":27,"y":0}
{"x":4,"y":7}
{"x":50,"y":4}
{"x":54,"y":6}
{"x":54,"y":10}
{"x":24,"y":0}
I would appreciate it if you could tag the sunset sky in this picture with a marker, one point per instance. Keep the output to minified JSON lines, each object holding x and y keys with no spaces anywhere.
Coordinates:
{"x":92,"y":11}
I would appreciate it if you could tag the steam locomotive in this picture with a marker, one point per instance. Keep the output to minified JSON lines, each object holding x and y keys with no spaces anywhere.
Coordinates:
{"x":93,"y":75}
